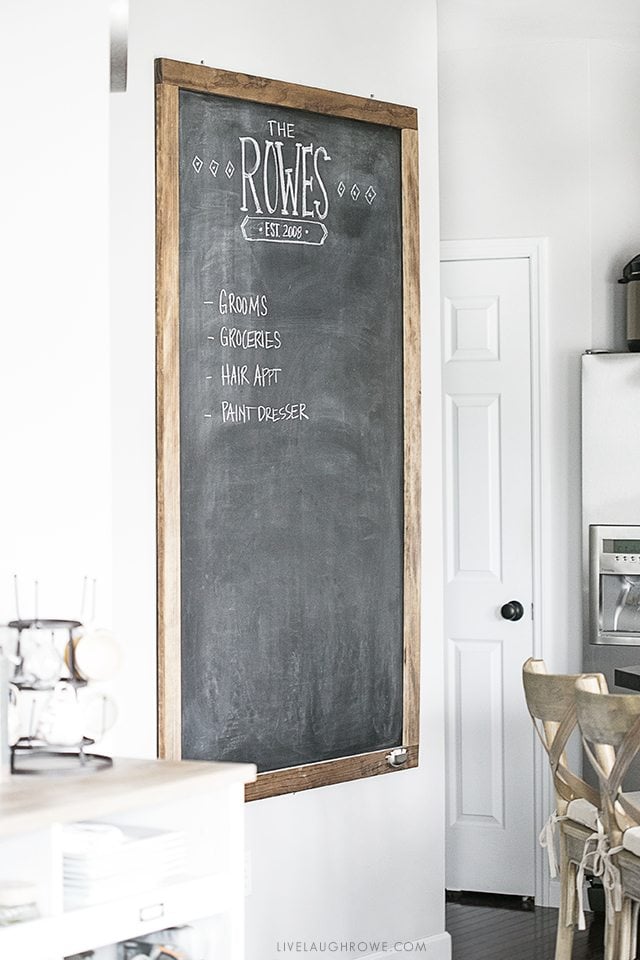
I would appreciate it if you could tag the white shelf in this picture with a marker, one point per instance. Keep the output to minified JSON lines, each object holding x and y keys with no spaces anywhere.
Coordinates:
{"x":90,"y":927}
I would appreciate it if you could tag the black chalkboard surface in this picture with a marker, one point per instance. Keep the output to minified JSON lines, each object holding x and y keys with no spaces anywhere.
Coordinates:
{"x":283,"y":283}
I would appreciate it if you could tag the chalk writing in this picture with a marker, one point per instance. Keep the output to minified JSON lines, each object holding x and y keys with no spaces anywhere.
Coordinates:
{"x":238,"y":375}
{"x":284,"y":190}
{"x":265,"y":376}
{"x":243,"y":304}
{"x":249,"y":339}
{"x":273,"y":186}
{"x":278,"y":128}
{"x":235,"y":375}
{"x":248,"y":413}
{"x":284,"y":231}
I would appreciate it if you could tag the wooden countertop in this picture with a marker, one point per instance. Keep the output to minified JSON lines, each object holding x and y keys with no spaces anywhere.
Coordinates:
{"x":31,"y":802}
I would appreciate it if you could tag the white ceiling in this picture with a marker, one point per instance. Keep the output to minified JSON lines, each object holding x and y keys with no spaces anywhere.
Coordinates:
{"x":465,"y":23}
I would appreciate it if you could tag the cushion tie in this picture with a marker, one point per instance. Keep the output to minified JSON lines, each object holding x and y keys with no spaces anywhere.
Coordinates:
{"x":596,"y":859}
{"x":547,"y":840}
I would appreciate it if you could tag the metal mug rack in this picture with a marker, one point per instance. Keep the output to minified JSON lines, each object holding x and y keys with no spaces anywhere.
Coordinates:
{"x":30,"y":754}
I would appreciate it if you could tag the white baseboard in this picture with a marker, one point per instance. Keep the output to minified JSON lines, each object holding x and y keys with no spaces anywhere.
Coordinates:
{"x":430,"y":948}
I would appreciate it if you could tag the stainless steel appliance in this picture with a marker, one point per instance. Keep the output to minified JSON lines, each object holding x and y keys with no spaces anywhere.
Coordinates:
{"x":614,"y":585}
{"x":611,"y":511}
{"x":611,"y":518}
{"x":631,"y":278}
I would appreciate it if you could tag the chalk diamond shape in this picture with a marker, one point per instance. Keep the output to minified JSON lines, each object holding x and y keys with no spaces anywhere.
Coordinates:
{"x":341,"y":189}
{"x":196,"y":163}
{"x":213,"y":167}
{"x":229,"y":170}
{"x":370,"y":195}
{"x":355,"y":191}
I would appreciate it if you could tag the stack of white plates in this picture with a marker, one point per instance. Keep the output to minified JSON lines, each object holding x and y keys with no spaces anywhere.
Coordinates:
{"x":103,"y":862}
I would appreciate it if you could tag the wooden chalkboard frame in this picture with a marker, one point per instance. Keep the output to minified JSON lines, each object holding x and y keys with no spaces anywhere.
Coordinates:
{"x":172,"y":76}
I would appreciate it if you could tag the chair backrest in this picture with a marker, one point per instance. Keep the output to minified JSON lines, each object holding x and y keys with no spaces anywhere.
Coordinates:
{"x":610,"y":727}
{"x":551,"y":700}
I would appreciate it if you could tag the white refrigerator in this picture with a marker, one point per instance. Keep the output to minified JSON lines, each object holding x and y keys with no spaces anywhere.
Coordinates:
{"x":611,"y":520}
{"x":611,"y":511}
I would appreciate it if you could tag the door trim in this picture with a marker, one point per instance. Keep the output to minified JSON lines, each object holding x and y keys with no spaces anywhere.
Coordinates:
{"x":534,"y":249}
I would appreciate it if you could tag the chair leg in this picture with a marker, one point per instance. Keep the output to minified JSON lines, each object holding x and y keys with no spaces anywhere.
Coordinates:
{"x":619,"y":936}
{"x":624,"y":950}
{"x":612,"y":939}
{"x":571,"y":905}
{"x":635,"y":910}
{"x":629,"y":947}
{"x":567,"y":912}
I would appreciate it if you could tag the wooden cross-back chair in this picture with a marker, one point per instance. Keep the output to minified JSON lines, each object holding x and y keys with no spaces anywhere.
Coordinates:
{"x":610,"y":726}
{"x":551,"y":703}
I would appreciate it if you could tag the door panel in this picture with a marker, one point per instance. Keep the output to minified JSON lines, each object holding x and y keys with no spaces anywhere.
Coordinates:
{"x":473,"y":424}
{"x":477,"y":786}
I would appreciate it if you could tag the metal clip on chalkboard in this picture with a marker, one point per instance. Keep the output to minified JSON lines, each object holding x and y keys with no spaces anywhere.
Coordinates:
{"x":397,"y":757}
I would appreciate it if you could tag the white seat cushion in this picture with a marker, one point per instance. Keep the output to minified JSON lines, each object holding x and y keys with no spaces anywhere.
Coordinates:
{"x":583,"y":812}
{"x":631,"y":840}
{"x":631,"y":837}
{"x":633,"y":798}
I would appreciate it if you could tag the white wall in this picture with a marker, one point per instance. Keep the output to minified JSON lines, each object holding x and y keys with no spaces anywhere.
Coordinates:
{"x":543,"y":139}
{"x":55,"y":481}
{"x":358,"y":861}
{"x":354,"y":861}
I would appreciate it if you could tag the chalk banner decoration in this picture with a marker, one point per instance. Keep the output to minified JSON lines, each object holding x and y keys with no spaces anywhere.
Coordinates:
{"x":288,"y":428}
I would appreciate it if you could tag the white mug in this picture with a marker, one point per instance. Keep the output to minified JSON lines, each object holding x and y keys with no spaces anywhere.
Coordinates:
{"x":96,"y":653}
{"x":41,"y":660}
{"x":60,"y":722}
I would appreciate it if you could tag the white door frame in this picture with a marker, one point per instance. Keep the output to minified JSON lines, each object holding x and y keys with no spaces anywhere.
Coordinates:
{"x":535,"y":250}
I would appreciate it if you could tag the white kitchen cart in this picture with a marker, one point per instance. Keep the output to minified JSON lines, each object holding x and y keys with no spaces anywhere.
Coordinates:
{"x":204,"y":800}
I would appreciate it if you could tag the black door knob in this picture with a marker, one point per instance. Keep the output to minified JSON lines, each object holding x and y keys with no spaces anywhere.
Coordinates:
{"x":512,"y":610}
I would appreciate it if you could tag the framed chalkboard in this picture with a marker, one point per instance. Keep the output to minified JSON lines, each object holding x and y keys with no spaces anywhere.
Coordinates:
{"x":288,"y":428}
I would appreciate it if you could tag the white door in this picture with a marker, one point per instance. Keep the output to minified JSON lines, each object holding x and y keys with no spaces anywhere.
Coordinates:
{"x":487,"y":385}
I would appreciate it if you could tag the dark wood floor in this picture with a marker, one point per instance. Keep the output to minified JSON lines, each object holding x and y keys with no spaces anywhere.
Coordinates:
{"x":496,"y":933}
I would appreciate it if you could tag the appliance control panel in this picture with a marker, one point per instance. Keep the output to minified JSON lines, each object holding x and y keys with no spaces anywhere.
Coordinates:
{"x":618,"y":554}
{"x":620,"y":563}
{"x":614,"y":584}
